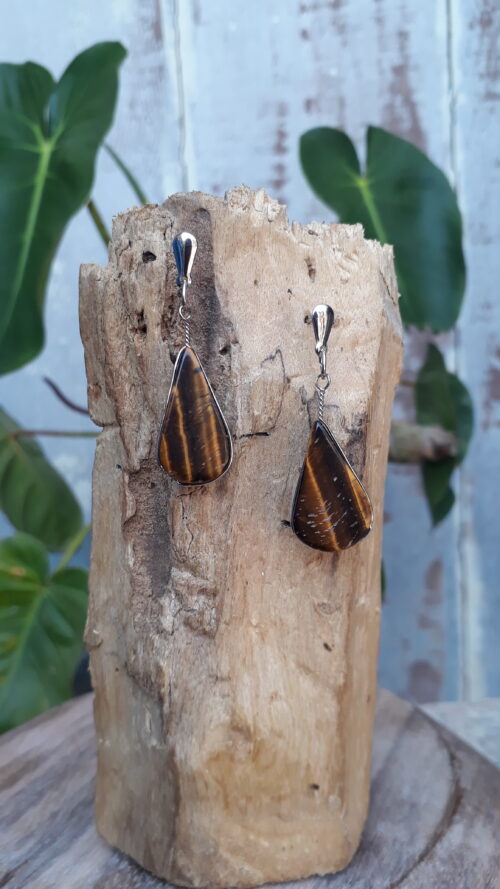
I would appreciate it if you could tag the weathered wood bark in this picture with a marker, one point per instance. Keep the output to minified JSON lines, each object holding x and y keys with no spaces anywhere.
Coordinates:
{"x":434,"y":818}
{"x":234,"y":667}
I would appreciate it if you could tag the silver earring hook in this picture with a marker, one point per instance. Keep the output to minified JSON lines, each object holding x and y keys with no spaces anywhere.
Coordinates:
{"x":322,"y":319}
{"x":184,"y":247}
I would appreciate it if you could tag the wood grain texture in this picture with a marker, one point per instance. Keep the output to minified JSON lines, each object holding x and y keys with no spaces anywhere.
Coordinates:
{"x":211,"y":627}
{"x":477,"y":723}
{"x":434,"y":816}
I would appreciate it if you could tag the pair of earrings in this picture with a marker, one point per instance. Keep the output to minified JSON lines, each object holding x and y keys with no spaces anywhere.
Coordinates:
{"x":331,"y":509}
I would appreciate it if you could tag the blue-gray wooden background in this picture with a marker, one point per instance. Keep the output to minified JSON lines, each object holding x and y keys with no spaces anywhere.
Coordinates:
{"x":217,"y":92}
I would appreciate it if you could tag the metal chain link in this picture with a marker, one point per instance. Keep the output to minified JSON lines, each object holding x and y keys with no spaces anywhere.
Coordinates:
{"x":321,"y":404}
{"x":186,"y":317}
{"x":185,"y":313}
{"x":322,"y":384}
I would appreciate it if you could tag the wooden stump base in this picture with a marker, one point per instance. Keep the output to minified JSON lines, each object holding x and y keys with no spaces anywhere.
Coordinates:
{"x":234,"y":667}
{"x":434,"y":819}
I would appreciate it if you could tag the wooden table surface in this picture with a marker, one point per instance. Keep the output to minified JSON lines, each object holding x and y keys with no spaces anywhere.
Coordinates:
{"x":434,"y":819}
{"x":477,"y":723}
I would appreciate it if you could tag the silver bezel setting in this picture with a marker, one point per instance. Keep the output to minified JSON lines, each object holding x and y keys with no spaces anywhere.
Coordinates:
{"x":231,"y":449}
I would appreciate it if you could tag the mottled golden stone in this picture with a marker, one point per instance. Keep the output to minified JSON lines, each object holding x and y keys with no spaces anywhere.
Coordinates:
{"x":194,"y":445}
{"x":331,"y":509}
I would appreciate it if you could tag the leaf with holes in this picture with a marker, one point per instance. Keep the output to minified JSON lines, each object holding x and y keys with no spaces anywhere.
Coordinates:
{"x":49,"y":136}
{"x":442,"y":400}
{"x":403,"y":199}
{"x":33,"y":495}
{"x":42,"y":617}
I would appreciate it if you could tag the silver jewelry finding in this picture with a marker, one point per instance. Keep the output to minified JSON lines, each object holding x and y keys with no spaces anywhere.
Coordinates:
{"x":322,"y":319}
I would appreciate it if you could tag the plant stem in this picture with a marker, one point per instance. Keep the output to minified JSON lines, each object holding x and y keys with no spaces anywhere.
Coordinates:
{"x":72,"y":547}
{"x":99,"y":222}
{"x":45,"y":148}
{"x":129,"y":176}
{"x":53,"y":433}
{"x":412,"y":443}
{"x":64,"y":398}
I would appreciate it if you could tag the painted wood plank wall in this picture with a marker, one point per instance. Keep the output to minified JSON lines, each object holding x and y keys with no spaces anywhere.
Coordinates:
{"x":475,"y":92}
{"x":217,"y":92}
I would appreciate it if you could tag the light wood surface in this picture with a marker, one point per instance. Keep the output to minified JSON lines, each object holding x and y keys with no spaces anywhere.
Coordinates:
{"x":476,"y":723}
{"x":234,"y":667}
{"x":434,"y":820}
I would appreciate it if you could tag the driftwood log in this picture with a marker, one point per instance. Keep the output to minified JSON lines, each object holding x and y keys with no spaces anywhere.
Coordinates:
{"x":234,"y":667}
{"x":434,"y":818}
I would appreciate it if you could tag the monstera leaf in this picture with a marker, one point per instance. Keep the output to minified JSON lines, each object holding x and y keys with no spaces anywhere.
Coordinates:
{"x":442,"y":400}
{"x":42,"y":617}
{"x":402,"y":199}
{"x":33,"y":495}
{"x":49,"y":136}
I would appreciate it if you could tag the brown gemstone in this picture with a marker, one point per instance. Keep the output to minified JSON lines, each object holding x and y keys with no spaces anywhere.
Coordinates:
{"x":331,"y":509}
{"x":194,"y":447}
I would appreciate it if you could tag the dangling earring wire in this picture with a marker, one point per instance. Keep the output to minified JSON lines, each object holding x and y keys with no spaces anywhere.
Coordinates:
{"x":323,"y":320}
{"x":331,"y":509}
{"x":194,"y":445}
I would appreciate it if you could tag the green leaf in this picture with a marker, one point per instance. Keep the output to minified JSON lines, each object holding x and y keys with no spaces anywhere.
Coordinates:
{"x":402,"y":199}
{"x":49,"y":136}
{"x":33,"y":495}
{"x":42,"y":617}
{"x":436,"y":480}
{"x":442,"y":400}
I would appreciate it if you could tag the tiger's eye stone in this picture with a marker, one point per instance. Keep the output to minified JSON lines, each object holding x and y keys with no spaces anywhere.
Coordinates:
{"x":194,"y":446}
{"x":331,"y":509}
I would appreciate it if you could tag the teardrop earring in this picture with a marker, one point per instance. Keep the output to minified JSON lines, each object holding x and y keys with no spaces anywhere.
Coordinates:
{"x":195,"y":445}
{"x":331,"y":509}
